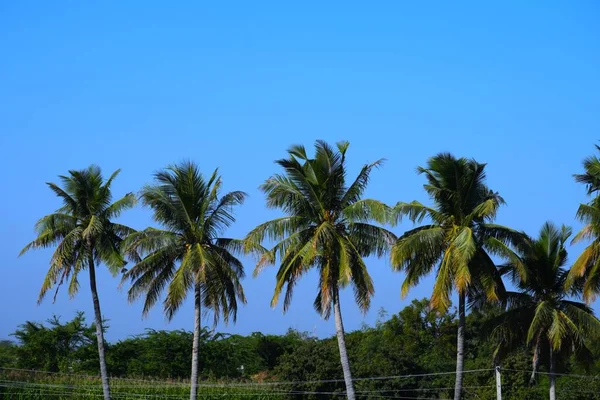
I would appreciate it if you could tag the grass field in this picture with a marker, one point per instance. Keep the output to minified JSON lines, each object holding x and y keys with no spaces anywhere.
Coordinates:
{"x":26,"y":385}
{"x":32,"y":385}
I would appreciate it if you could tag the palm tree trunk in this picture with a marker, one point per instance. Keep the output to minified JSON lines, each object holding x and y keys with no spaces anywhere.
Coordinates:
{"x":460,"y":347}
{"x":552,"y":377}
{"x":99,"y":330}
{"x":196,"y":345}
{"x":339,"y":329}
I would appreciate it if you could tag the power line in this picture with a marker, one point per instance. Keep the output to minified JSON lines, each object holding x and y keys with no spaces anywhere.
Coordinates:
{"x":554,"y":373}
{"x":253,"y":384}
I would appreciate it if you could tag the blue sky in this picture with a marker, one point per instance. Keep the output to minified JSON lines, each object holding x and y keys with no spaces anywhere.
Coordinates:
{"x":139,"y":85}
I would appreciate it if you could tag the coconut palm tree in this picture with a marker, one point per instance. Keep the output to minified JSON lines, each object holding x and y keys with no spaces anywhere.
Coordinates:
{"x":541,"y":314}
{"x":187,"y":254}
{"x":458,"y":239}
{"x":587,"y":265}
{"x":84,"y":236}
{"x":326,"y":227}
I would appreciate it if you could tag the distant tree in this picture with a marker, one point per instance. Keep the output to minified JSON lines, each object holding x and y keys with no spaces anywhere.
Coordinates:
{"x":188,"y":254}
{"x":424,"y":334}
{"x":541,"y":314}
{"x":56,"y":346}
{"x":84,"y":235}
{"x":311,"y":366}
{"x":7,"y":354}
{"x":271,"y":348}
{"x":458,"y":238}
{"x":326,"y":227}
{"x":157,"y":354}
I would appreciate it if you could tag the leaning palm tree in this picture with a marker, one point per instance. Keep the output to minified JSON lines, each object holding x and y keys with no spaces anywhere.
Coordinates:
{"x":326,"y":227}
{"x":458,"y":238}
{"x":188,"y":254}
{"x":84,"y":235}
{"x":587,"y":265}
{"x":540,"y":314}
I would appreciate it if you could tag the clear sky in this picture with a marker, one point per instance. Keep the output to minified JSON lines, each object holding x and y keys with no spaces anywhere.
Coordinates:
{"x":138,"y":85}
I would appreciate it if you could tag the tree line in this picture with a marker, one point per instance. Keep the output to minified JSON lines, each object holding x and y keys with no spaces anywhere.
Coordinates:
{"x":416,"y":340}
{"x":327,"y":225}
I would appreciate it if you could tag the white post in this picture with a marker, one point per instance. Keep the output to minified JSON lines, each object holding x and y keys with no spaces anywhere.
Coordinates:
{"x":498,"y":383}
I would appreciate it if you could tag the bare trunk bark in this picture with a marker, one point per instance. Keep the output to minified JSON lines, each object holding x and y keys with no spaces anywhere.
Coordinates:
{"x":99,"y":332}
{"x":339,"y":329}
{"x":196,"y":345}
{"x":460,"y":347}
{"x":552,"y":377}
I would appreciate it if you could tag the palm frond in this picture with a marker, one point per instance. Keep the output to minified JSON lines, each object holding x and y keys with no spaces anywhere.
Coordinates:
{"x":367,"y":210}
{"x":222,"y":217}
{"x":416,"y":212}
{"x":362,"y":284}
{"x":591,"y":177}
{"x":116,"y":209}
{"x":354,"y":193}
{"x":460,"y":253}
{"x":370,"y":239}
{"x":416,"y":252}
{"x":440,"y":297}
{"x":274,"y":230}
{"x":583,"y":264}
{"x":583,"y":318}
{"x":542,"y":320}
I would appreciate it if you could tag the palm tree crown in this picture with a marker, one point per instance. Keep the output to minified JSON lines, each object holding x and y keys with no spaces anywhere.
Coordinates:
{"x":189,"y":250}
{"x":326,"y":226}
{"x":587,"y":265}
{"x":82,"y":229}
{"x":459,"y":237}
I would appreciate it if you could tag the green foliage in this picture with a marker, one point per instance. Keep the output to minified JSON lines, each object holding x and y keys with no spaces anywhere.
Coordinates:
{"x":459,"y":236}
{"x":417,"y":340}
{"x":326,"y":226}
{"x":7,"y":354}
{"x":586,"y":269}
{"x":311,"y":360}
{"x":189,"y":252}
{"x":157,"y":354}
{"x":57,"y":347}
{"x":82,"y":230}
{"x":542,"y":315}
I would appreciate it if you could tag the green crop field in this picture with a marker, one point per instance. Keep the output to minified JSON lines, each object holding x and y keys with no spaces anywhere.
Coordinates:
{"x":33,"y":385}
{"x":26,"y":385}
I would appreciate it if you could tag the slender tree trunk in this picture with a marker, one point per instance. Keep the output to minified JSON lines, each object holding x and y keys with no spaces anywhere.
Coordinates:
{"x":99,"y":332}
{"x":339,"y":329}
{"x":460,"y":347}
{"x":196,"y":345}
{"x":552,"y":377}
{"x":536,"y":361}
